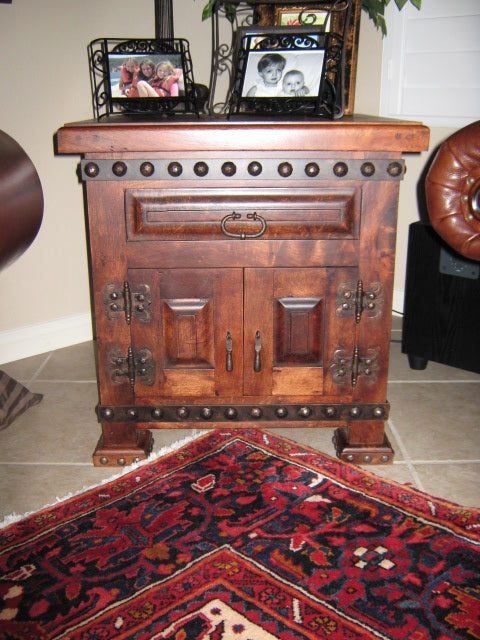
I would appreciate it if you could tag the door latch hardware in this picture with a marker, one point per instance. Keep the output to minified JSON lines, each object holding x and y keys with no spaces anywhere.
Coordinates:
{"x":229,"y":362}
{"x":257,"y":363}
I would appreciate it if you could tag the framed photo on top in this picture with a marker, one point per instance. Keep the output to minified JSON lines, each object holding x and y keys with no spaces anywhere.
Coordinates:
{"x":141,"y":76}
{"x":314,"y":14}
{"x":299,"y":16}
{"x":279,"y":71}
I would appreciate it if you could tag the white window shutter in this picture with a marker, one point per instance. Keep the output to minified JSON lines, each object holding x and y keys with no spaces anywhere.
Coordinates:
{"x":431,"y":63}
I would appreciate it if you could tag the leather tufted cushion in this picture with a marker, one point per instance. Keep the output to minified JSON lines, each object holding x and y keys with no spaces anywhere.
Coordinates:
{"x":452,"y":188}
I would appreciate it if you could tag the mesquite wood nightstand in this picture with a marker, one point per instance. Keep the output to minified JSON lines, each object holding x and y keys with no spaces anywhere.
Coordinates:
{"x":242,"y":274}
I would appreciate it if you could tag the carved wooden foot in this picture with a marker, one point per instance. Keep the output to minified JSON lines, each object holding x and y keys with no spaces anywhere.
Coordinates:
{"x":362,"y":453}
{"x":120,"y":454}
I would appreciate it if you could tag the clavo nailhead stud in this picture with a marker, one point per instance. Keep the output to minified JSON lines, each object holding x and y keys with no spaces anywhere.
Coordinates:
{"x":119,"y":169}
{"x":121,"y":462}
{"x":312,"y":169}
{"x":92,"y":169}
{"x":103,"y":460}
{"x":340,"y":169}
{"x":367,"y":169}
{"x":304,"y":412}
{"x":200,"y":169}
{"x":147,"y":169}
{"x":175,"y":169}
{"x":285,"y":169}
{"x":255,"y":168}
{"x":229,"y":169}
{"x":394,"y":169}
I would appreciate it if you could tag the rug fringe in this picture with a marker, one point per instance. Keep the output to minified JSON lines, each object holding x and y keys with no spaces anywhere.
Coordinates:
{"x":196,"y":433}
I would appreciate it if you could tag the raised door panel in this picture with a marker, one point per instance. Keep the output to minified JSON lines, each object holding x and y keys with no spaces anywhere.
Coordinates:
{"x":299,"y":304}
{"x":291,"y":322}
{"x":191,"y":314}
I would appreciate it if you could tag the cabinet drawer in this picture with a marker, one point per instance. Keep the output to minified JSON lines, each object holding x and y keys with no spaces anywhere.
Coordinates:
{"x":214,"y":214}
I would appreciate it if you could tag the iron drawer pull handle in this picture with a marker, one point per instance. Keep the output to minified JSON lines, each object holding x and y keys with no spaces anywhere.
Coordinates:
{"x":243,"y":235}
{"x":257,"y":363}
{"x":229,"y":363}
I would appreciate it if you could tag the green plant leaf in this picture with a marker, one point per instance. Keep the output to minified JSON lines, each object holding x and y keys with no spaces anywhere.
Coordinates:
{"x":208,"y":9}
{"x":376,"y":11}
{"x":374,"y":8}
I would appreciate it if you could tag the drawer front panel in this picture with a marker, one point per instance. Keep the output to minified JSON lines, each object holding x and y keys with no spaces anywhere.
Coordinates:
{"x":216,"y":214}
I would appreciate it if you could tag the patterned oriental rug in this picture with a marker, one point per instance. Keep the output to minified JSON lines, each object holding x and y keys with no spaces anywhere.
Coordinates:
{"x":243,"y":535}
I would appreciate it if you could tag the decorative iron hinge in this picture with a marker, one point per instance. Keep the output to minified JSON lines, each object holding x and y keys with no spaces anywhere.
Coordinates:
{"x":118,"y":299}
{"x":354,"y":300}
{"x":344,"y":366}
{"x":135,"y":365}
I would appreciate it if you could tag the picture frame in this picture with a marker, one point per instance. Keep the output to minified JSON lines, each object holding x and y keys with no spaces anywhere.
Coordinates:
{"x":281,"y":71}
{"x":141,"y":76}
{"x":307,"y":13}
{"x":286,"y":16}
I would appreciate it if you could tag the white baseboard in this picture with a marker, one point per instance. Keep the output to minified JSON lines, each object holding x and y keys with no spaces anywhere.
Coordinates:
{"x":47,"y":336}
{"x":398,"y":301}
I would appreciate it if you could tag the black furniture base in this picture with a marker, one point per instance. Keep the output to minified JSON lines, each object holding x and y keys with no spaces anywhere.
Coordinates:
{"x":442,"y":311}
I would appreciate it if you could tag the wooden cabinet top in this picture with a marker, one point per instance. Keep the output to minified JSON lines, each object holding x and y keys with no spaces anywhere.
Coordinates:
{"x":351,"y":133}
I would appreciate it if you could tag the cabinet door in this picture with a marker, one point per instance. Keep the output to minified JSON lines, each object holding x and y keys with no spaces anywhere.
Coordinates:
{"x":192,"y":311}
{"x":292,"y":330}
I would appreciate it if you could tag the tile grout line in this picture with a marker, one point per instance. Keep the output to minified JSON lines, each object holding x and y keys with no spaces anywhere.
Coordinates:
{"x":54,"y":381}
{"x":40,"y":369}
{"x":408,"y":461}
{"x":434,"y":382}
{"x":45,"y":464}
{"x":458,"y":461}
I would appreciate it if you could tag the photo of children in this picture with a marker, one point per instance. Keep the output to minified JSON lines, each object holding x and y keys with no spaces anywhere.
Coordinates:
{"x":142,"y":76}
{"x":294,"y":84}
{"x":283,"y":73}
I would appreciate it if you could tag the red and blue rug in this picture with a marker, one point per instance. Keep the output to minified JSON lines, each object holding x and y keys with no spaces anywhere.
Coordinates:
{"x":242,"y":535}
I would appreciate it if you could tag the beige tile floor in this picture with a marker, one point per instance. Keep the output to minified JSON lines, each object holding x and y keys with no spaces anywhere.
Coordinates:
{"x":434,"y":428}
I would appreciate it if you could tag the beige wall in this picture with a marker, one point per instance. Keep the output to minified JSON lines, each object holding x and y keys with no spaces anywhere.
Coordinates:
{"x":44,"y":294}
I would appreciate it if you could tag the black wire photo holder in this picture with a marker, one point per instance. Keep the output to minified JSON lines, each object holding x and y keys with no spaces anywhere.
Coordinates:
{"x":325,"y":22}
{"x":141,"y":77}
{"x":282,"y":71}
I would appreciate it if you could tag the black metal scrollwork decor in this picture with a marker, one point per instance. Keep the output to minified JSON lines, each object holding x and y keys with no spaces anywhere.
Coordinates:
{"x":125,"y":77}
{"x":313,"y":51}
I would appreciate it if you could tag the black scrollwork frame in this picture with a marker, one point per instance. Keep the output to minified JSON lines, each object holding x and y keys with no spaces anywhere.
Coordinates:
{"x":105,"y":102}
{"x":306,"y":53}
{"x":251,"y":13}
